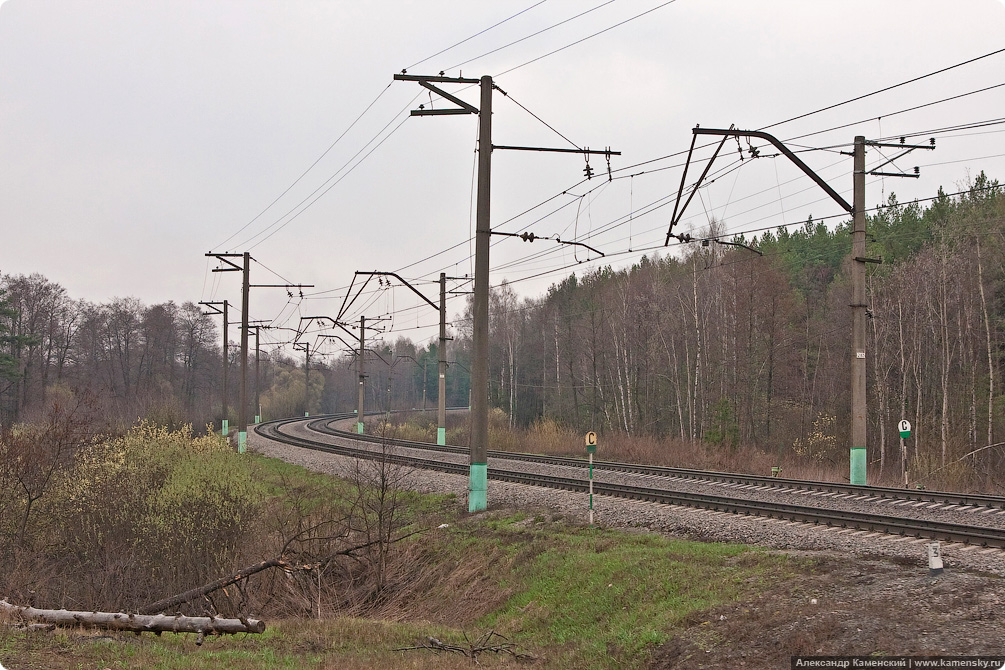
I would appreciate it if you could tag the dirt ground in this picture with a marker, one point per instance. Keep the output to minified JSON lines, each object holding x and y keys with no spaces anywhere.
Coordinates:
{"x":848,"y":605}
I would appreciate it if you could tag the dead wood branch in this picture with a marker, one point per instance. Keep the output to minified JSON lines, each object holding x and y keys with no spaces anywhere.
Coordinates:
{"x":240,"y":575}
{"x":485,"y":644}
{"x":138,"y":623}
{"x":223,"y":582}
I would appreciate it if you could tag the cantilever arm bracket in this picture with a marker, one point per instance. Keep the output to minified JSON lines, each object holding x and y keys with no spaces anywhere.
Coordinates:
{"x":774,"y":141}
{"x":404,"y":283}
{"x":225,"y":258}
{"x":469,"y":109}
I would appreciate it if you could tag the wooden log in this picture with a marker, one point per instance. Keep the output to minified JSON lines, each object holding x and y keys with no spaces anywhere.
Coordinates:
{"x":158,"y":623}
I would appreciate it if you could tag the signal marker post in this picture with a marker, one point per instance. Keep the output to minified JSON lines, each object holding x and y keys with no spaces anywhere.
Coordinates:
{"x":905,"y":432}
{"x":591,"y":448}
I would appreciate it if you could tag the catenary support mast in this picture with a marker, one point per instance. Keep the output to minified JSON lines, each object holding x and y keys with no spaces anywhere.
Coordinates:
{"x":858,"y":460}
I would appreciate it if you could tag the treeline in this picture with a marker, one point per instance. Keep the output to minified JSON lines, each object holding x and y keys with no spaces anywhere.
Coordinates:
{"x":165,"y":363}
{"x":728,"y":345}
{"x":720,"y":344}
{"x":159,"y":360}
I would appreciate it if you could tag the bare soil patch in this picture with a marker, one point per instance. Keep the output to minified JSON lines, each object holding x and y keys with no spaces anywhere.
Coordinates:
{"x":847,"y":605}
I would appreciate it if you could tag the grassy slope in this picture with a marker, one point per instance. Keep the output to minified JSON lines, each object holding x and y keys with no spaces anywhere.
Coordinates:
{"x":574,"y":596}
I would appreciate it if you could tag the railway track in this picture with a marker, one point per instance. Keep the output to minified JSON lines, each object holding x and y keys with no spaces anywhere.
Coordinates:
{"x":322,"y":425}
{"x":965,"y":533}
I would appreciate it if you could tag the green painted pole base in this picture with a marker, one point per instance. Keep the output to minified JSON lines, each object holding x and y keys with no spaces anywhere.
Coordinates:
{"x":441,"y":436}
{"x":359,"y":427}
{"x":225,"y":428}
{"x":306,"y":415}
{"x":857,"y":466}
{"x":258,"y":418}
{"x":242,"y":441}
{"x":478,"y":487}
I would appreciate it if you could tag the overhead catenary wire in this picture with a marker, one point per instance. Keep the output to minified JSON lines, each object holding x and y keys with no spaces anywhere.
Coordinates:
{"x":833,"y":105}
{"x":294,"y":216}
{"x":478,"y":34}
{"x":588,"y":37}
{"x":800,"y":116}
{"x":640,"y":212}
{"x":323,"y":192}
{"x":615,"y":254}
{"x":900,"y":111}
{"x":309,"y":168}
{"x":656,"y":247}
{"x":527,"y":37}
{"x":793,"y":118}
{"x":894,"y":113}
{"x":885,"y":89}
{"x":838,"y":104}
{"x":637,"y":214}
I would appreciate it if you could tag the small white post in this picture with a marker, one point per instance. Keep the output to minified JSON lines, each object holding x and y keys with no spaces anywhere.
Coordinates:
{"x":591,"y":490}
{"x":934,"y":559}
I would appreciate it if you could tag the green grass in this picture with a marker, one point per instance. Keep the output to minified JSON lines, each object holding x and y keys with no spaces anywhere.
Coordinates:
{"x":605,"y":598}
{"x":273,"y":476}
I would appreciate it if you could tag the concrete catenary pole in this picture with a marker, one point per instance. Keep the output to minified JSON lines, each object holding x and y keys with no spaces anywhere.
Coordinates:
{"x":242,"y":415}
{"x":478,"y":477}
{"x":225,"y":424}
{"x":858,"y":307}
{"x":441,"y":408}
{"x":258,"y":378}
{"x":307,"y":379}
{"x":360,"y":366}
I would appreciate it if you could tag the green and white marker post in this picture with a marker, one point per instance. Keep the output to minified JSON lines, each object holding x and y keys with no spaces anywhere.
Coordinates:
{"x":225,"y":427}
{"x":591,"y":448}
{"x":905,"y":432}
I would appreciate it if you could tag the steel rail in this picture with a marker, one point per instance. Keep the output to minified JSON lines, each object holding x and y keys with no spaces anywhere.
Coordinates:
{"x":884,"y":492}
{"x":901,"y":526}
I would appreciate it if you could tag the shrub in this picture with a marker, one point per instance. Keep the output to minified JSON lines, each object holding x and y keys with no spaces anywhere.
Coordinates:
{"x":152,"y":512}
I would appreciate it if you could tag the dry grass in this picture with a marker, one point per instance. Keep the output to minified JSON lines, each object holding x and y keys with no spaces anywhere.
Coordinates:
{"x":546,"y":437}
{"x":549,"y":438}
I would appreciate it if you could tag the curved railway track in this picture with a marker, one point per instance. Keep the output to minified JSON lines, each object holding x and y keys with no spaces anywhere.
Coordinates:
{"x":964,"y":533}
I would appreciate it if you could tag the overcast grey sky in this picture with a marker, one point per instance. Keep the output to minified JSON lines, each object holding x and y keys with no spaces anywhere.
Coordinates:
{"x":137,"y":136}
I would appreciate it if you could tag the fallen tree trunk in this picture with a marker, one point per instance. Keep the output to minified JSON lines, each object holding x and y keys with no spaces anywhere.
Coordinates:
{"x":138,"y":623}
